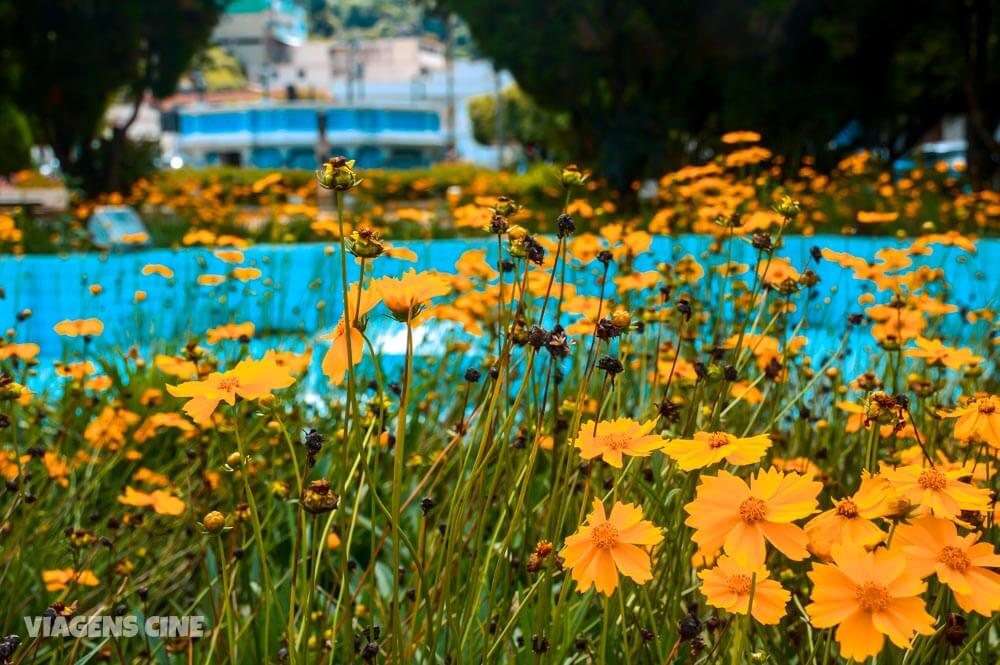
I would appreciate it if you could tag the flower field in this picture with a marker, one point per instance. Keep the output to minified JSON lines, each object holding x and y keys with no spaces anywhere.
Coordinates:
{"x":569,"y":438}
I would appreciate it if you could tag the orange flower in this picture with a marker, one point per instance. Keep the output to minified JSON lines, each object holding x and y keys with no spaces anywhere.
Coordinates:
{"x":850,"y":520}
{"x":606,"y":545}
{"x":175,"y":366}
{"x":932,"y":545}
{"x":211,"y":280}
{"x":613,"y":438}
{"x":979,"y":420}
{"x":79,"y":327}
{"x":708,"y":448}
{"x":868,"y":595}
{"x":473,"y":264}
{"x":740,"y":137}
{"x":937,"y":354}
{"x":230,"y":331}
{"x":336,"y":359}
{"x":157,"y":269}
{"x":57,"y":580}
{"x":937,"y":490}
{"x":727,"y":586}
{"x":244,"y":274}
{"x":408,"y":295}
{"x":728,"y":513}
{"x":163,"y":502}
{"x":229,"y":255}
{"x":26,"y":351}
{"x":250,"y":379}
{"x":110,"y":427}
{"x":874,"y":217}
{"x":777,"y":272}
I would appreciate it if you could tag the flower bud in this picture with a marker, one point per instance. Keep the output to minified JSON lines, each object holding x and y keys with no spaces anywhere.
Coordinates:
{"x":621,"y":318}
{"x":572,"y":176}
{"x":214,"y":521}
{"x":319,"y":498}
{"x":338,"y":174}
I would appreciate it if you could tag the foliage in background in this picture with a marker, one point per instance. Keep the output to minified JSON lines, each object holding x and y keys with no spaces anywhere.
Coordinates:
{"x":645,"y":84}
{"x":386,"y":18}
{"x":15,"y":139}
{"x":72,"y":58}
{"x":216,"y":69}
{"x":453,"y":200}
{"x":543,"y":134}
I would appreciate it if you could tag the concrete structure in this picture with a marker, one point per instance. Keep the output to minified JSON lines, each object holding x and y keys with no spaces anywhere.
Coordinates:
{"x":261,"y":34}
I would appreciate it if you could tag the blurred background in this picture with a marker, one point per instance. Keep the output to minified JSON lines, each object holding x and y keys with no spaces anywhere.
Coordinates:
{"x":101,"y":93}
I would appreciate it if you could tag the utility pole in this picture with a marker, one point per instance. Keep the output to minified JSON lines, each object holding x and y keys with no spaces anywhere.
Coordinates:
{"x":449,"y":59}
{"x":498,"y":112}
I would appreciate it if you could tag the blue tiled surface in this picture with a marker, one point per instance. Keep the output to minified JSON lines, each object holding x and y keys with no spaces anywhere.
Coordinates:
{"x":283,"y":302}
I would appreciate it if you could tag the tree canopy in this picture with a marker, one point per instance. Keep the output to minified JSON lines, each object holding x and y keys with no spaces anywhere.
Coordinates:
{"x":646,"y":83}
{"x":67,"y":60}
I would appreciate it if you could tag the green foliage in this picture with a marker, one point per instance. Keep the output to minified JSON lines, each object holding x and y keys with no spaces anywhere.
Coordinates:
{"x":15,"y":139}
{"x":523,"y":121}
{"x":75,"y":57}
{"x":648,"y":84}
{"x":219,"y":70}
{"x":385,"y":18}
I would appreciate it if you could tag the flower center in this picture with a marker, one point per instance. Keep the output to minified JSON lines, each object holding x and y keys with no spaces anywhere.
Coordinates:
{"x":847,"y":508}
{"x":986,"y":407}
{"x":717,"y":440}
{"x":229,"y":384}
{"x":604,"y":535}
{"x":954,"y":558}
{"x":615,"y":441}
{"x":932,"y":479}
{"x":739,"y":584}
{"x":873,"y":597}
{"x":752,"y":510}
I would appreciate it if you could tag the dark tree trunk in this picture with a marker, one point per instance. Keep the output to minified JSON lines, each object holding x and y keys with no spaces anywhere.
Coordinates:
{"x":119,"y":134}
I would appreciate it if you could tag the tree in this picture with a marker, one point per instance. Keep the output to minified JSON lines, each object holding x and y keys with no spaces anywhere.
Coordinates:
{"x":647,"y":83}
{"x":543,"y":132}
{"x":74,"y":57}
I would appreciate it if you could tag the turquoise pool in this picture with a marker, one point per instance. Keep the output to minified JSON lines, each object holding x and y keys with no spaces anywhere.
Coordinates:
{"x":283,"y":303}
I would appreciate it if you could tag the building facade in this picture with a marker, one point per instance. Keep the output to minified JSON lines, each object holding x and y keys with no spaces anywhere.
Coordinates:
{"x":292,"y":134}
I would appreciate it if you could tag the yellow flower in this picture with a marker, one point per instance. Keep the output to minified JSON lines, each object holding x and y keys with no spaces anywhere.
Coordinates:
{"x":607,"y":544}
{"x":727,"y":586}
{"x":79,"y":327}
{"x":935,"y":353}
{"x":210,"y":280}
{"x":157,"y":269}
{"x":937,"y":490}
{"x":979,"y":420}
{"x":337,"y":359}
{"x":230,"y":331}
{"x":229,"y":255}
{"x":57,"y":580}
{"x":408,"y":295}
{"x":728,"y":513}
{"x":244,"y":274}
{"x":740,"y":137}
{"x":868,"y":595}
{"x":613,"y":438}
{"x":707,"y":448}
{"x":27,"y":351}
{"x":162,"y":501}
{"x":250,"y":379}
{"x":850,"y":520}
{"x":932,"y":545}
